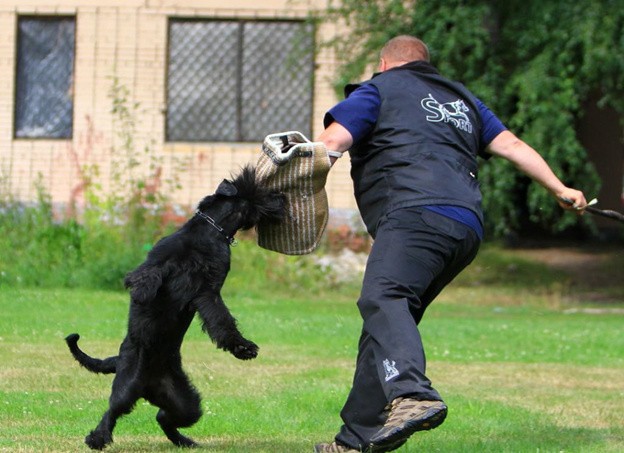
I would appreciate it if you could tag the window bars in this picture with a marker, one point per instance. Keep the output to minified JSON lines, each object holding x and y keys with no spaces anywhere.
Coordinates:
{"x":237,"y":81}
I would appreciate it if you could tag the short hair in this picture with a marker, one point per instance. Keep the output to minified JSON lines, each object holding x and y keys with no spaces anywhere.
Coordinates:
{"x":405,"y":48}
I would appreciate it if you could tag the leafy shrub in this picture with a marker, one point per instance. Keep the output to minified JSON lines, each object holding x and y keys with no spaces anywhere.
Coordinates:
{"x":95,"y":244}
{"x":533,"y":62}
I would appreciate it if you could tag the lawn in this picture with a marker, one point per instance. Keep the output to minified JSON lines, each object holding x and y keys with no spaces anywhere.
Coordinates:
{"x":521,"y":362}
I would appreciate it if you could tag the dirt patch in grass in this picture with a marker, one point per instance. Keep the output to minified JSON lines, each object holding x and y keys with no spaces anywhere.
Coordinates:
{"x":596,"y":274}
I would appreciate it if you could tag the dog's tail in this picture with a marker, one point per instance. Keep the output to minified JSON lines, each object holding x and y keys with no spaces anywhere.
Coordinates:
{"x":105,"y":366}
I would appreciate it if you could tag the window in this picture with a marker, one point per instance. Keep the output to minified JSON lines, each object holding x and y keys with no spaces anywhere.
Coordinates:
{"x":44,"y":75}
{"x":237,"y":81}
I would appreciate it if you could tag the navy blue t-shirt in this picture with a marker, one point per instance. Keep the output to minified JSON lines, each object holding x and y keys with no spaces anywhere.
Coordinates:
{"x":358,"y":114}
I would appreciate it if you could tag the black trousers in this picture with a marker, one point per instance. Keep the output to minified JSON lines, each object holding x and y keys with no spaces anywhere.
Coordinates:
{"x":416,"y":253}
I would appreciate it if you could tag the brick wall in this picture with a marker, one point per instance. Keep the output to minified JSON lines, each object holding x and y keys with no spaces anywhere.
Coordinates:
{"x":127,"y":39}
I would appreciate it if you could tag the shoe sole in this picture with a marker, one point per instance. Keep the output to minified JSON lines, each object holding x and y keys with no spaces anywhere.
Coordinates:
{"x":382,"y":449}
{"x":431,"y":419}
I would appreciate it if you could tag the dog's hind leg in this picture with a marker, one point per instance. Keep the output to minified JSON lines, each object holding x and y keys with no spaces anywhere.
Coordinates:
{"x":170,"y":423}
{"x":180,"y":406}
{"x":125,"y":393}
{"x":102,"y":435}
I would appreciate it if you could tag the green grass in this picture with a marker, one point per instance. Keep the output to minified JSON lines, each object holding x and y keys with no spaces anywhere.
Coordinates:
{"x":518,"y":372}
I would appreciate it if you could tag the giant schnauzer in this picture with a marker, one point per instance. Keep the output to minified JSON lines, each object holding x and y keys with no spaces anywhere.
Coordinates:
{"x":183,"y":274}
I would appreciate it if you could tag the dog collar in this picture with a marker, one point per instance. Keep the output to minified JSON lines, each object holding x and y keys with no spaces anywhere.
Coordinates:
{"x":211,"y":221}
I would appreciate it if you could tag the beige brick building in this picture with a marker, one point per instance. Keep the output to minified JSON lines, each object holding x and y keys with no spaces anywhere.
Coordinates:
{"x":132,"y":42}
{"x":171,"y":62}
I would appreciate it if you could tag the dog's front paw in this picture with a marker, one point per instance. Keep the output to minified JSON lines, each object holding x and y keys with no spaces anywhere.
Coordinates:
{"x":245,"y":351}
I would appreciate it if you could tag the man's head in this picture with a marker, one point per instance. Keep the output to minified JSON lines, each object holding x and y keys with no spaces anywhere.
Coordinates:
{"x":402,"y":49}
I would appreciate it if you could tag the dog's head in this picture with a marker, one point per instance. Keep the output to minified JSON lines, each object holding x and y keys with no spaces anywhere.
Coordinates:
{"x":242,"y":202}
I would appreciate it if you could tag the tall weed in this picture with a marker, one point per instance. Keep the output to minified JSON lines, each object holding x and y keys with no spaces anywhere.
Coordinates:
{"x":36,"y":250}
{"x":96,"y":243}
{"x":107,"y":229}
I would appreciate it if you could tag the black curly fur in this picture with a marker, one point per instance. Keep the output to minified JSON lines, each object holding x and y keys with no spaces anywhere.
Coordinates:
{"x":182,"y":275}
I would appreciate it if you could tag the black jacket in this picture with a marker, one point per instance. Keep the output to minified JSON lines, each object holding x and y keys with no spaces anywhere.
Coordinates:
{"x":423,"y":149}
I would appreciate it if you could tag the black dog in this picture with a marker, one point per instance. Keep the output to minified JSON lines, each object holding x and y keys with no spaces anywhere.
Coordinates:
{"x":183,"y":274}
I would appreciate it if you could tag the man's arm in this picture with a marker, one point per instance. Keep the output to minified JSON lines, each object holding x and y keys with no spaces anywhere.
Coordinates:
{"x":351,"y":119}
{"x":337,"y":138}
{"x":529,"y":162}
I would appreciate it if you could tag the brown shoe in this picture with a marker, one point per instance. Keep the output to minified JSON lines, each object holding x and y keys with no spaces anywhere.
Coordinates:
{"x":407,"y":415}
{"x":334,"y":447}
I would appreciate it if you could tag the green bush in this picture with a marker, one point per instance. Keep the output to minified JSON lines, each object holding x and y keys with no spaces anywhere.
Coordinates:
{"x":96,"y":243}
{"x":113,"y":235}
{"x":38,"y":250}
{"x":534,"y":63}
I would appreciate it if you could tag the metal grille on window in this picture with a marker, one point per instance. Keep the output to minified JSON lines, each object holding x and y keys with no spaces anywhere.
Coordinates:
{"x":45,"y":65}
{"x":202,"y":79}
{"x":237,"y":80}
{"x":277,"y":79}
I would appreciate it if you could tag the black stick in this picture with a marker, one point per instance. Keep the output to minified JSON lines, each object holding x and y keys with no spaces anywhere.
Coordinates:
{"x":608,"y":213}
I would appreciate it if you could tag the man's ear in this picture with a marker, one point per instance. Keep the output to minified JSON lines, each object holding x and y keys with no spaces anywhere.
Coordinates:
{"x":382,"y":65}
{"x":226,"y":188}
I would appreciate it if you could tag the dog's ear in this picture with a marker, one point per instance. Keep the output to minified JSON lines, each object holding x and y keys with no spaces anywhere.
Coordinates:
{"x":227,"y":188}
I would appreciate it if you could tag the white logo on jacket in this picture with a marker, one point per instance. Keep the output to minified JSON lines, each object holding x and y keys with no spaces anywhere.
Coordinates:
{"x":449,"y":112}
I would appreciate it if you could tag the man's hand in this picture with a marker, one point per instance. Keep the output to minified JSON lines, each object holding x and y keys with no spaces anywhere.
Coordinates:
{"x":572,"y":200}
{"x":337,"y":138}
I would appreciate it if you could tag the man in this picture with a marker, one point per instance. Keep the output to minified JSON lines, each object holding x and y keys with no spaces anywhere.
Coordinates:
{"x":413,"y":137}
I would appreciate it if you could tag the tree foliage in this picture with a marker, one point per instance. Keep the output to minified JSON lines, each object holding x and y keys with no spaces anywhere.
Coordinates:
{"x":532,"y":62}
